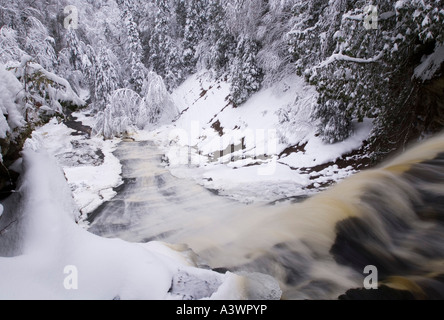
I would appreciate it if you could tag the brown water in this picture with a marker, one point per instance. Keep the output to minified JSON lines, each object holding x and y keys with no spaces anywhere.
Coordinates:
{"x":391,"y":217}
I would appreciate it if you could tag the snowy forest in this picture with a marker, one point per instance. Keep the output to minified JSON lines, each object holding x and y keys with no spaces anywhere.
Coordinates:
{"x":376,"y":62}
{"x":359,"y":72}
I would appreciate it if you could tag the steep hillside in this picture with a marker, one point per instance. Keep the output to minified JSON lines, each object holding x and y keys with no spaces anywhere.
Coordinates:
{"x":270,"y":144}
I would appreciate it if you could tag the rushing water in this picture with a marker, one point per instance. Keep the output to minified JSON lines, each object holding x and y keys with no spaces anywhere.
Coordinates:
{"x":152,"y":204}
{"x":391,"y":217}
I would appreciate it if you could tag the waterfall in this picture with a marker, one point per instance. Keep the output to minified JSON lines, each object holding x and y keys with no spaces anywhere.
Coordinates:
{"x":390,"y":217}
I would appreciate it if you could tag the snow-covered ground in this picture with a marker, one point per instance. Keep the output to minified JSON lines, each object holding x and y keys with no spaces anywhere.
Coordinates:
{"x":264,"y":150}
{"x":88,"y":163}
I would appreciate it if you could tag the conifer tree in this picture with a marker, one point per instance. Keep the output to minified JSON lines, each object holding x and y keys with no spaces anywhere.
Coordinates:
{"x":194,"y":30}
{"x":222,"y":43}
{"x":181,"y":17}
{"x":134,"y":46}
{"x":160,"y":41}
{"x":75,"y":50}
{"x":165,"y":53}
{"x":106,"y":80}
{"x":247,"y":76}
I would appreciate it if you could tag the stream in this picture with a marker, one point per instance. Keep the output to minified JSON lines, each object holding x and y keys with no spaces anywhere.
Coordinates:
{"x":388,"y":218}
{"x":152,"y":204}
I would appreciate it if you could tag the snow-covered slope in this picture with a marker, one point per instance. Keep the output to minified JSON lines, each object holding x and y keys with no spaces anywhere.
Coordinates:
{"x":267,"y":144}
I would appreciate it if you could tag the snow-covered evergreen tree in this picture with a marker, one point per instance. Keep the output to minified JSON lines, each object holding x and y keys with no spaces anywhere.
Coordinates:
{"x":106,"y":80}
{"x":364,"y":72}
{"x":274,"y":57}
{"x":247,"y":76}
{"x":180,"y":12}
{"x":194,"y":31}
{"x":9,"y":46}
{"x":40,"y":44}
{"x":133,"y":45}
{"x":174,"y":73}
{"x":220,"y":42}
{"x":160,"y":41}
{"x":75,"y":63}
{"x":165,"y":53}
{"x":74,"y":49}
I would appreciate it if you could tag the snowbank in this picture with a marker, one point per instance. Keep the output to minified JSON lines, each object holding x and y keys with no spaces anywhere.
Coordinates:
{"x":61,"y":260}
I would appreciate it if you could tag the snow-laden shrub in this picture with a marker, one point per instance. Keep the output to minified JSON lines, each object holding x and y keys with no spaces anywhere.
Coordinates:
{"x":9,"y":48}
{"x":29,"y":95}
{"x":11,"y":103}
{"x":295,"y":119}
{"x":157,"y":105}
{"x":44,"y":90}
{"x":28,"y":91}
{"x":119,"y":115}
{"x":127,"y":110}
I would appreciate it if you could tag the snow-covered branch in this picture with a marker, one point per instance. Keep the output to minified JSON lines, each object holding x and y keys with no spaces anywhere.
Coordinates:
{"x":360,"y":17}
{"x":68,"y":94}
{"x":343,"y":57}
{"x":28,"y":68}
{"x":127,"y":109}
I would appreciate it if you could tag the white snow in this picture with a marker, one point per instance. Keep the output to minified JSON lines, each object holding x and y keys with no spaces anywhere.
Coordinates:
{"x":91,"y":180}
{"x":10,"y":95}
{"x":62,"y":261}
{"x":127,"y":111}
{"x":431,"y":64}
{"x":318,"y":152}
{"x":342,"y":57}
{"x":272,"y":120}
